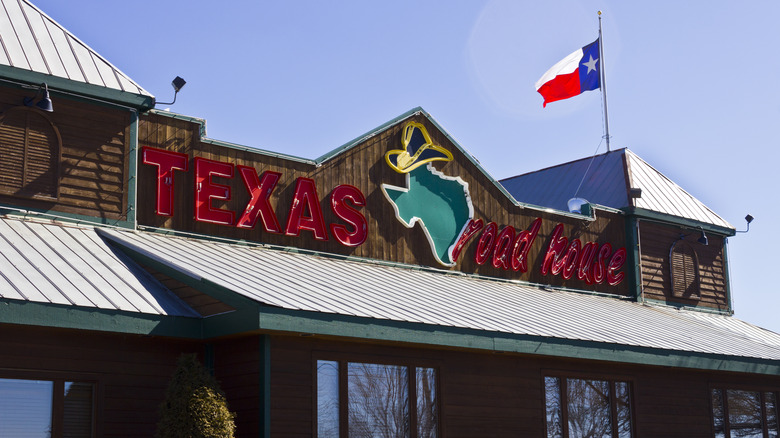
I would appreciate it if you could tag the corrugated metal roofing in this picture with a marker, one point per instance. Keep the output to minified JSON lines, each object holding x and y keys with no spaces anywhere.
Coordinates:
{"x":662,"y":195}
{"x":52,"y":263}
{"x":31,"y":40}
{"x":607,"y":179}
{"x":335,"y":286}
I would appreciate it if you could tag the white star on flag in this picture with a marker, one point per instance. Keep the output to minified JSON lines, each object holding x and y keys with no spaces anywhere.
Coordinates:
{"x":591,"y":64}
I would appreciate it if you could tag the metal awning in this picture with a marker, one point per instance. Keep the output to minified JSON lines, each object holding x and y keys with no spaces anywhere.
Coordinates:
{"x":330,"y":287}
{"x":52,"y":263}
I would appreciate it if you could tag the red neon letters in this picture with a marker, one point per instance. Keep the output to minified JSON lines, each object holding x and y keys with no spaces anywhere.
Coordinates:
{"x":507,"y":249}
{"x":207,"y":190}
{"x":166,"y":163}
{"x":564,"y":258}
{"x":259,"y":205}
{"x":305,"y":212}
{"x":306,"y":199}
{"x":348,"y":213}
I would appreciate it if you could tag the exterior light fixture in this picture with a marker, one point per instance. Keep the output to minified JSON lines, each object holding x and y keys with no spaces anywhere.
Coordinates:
{"x":177,"y":83}
{"x":748,"y":219}
{"x":703,"y":239}
{"x":44,"y":103}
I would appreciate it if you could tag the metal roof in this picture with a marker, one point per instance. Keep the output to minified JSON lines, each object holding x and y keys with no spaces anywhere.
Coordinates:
{"x":31,"y":40}
{"x":605,"y":180}
{"x":604,"y":183}
{"x":329,"y":285}
{"x":73,"y":266}
{"x":662,"y":195}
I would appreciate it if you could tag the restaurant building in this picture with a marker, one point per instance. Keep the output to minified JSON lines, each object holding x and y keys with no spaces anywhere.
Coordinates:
{"x":389,"y":288}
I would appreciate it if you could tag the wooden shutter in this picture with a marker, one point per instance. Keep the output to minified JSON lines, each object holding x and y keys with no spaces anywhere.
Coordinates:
{"x":29,"y":154}
{"x":685,"y":271}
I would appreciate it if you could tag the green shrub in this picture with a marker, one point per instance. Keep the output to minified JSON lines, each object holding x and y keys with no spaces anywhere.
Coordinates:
{"x":194,"y":406}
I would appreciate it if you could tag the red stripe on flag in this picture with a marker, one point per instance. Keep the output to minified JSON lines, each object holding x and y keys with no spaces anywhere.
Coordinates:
{"x":561,"y":87}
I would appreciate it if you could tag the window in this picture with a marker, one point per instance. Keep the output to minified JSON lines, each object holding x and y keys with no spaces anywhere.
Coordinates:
{"x":579,"y":408}
{"x":368,"y":400}
{"x":45,"y":408}
{"x":744,"y":414}
{"x":29,"y":164}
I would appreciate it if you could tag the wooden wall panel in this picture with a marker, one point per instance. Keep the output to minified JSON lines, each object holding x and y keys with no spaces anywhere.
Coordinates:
{"x":93,"y":174}
{"x":131,"y":372}
{"x":498,"y":395}
{"x":364,"y":167}
{"x":237,"y":368}
{"x":656,"y":241}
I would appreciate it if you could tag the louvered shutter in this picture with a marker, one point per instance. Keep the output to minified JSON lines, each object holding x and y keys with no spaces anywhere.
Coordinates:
{"x":29,"y":154}
{"x":685,"y":271}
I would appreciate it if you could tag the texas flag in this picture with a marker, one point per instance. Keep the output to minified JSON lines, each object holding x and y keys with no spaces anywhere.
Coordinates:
{"x":572,"y":75}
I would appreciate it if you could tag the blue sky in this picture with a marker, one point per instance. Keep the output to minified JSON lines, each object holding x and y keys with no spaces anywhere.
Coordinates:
{"x":692,"y":87}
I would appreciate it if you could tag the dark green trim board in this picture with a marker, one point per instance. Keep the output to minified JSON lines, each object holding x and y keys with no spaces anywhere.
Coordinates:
{"x":679,"y":221}
{"x":634,"y":265}
{"x":208,"y":357}
{"x":394,"y":331}
{"x":132,"y":166}
{"x":727,"y":272}
{"x":265,"y":386}
{"x":79,"y":89}
{"x":84,"y":318}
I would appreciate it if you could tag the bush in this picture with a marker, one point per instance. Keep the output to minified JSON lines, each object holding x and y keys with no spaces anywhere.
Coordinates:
{"x":194,"y":406}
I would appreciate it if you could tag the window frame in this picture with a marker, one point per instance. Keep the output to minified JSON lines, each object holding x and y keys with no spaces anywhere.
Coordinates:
{"x":762,"y":391}
{"x":612,"y":379}
{"x":58,"y":395}
{"x":344,"y":359}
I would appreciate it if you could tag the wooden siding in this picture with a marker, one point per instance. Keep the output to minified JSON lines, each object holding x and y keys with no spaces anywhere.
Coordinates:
{"x":499,"y":395}
{"x":237,"y":368}
{"x":131,"y":372}
{"x":656,"y":241}
{"x":93,"y":173}
{"x":364,"y":167}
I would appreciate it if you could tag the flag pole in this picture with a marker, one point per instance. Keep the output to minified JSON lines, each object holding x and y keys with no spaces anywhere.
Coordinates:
{"x":603,"y":84}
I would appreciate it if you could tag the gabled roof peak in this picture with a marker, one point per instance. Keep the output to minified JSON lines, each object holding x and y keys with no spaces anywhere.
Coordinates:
{"x":607,"y":179}
{"x":33,"y":42}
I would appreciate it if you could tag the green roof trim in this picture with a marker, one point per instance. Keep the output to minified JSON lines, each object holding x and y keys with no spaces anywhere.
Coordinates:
{"x":66,"y":87}
{"x":384,"y":330}
{"x":88,"y":318}
{"x":679,"y":221}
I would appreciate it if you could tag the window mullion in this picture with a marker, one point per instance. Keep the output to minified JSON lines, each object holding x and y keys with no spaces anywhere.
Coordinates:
{"x":726,"y":423}
{"x":564,"y":406}
{"x":57,"y":408}
{"x":411,"y":373}
{"x":613,"y":408}
{"x":764,"y":426}
{"x":343,"y":400}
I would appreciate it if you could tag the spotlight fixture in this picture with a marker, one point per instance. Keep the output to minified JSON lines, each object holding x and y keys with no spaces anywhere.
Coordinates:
{"x":748,"y":219}
{"x":44,"y":103}
{"x":575,"y":205}
{"x":177,"y":83}
{"x":703,"y":239}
